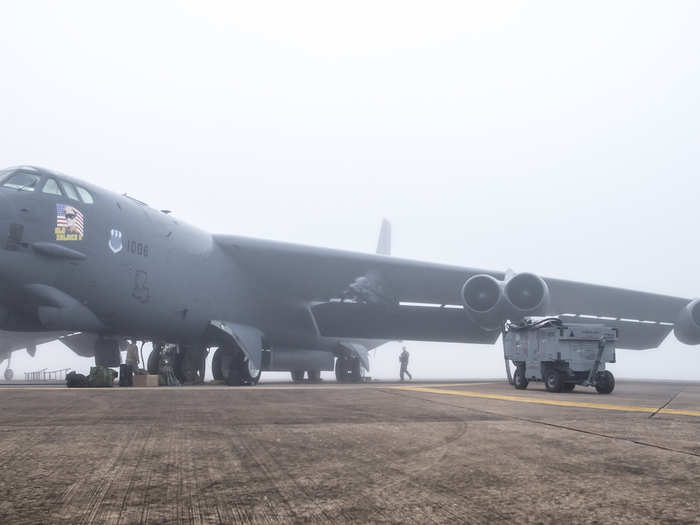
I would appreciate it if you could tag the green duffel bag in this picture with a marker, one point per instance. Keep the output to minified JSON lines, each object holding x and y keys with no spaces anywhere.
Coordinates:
{"x":101,"y":376}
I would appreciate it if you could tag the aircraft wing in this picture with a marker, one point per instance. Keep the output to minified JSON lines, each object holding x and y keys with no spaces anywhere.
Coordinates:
{"x":12,"y":341}
{"x":321,"y":275}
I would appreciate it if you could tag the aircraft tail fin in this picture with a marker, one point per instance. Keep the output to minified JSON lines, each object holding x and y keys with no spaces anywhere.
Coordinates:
{"x":384,"y":243}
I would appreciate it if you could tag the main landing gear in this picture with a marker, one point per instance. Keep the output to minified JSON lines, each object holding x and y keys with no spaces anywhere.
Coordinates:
{"x":348,"y":370}
{"x":189,"y":362}
{"x":229,"y":364}
{"x":232,"y":366}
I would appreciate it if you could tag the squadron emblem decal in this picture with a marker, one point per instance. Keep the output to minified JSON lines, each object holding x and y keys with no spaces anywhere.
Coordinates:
{"x":115,"y":241}
{"x":70,"y":223}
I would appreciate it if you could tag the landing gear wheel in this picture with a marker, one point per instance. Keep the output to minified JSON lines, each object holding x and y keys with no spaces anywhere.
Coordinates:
{"x":252,"y":374}
{"x":605,"y":382}
{"x":153,"y":363}
{"x":314,"y":376}
{"x":9,"y":374}
{"x":235,"y":368}
{"x":520,"y":382}
{"x":552,"y":381}
{"x":568,"y":387}
{"x":342,"y":370}
{"x":297,"y":376}
{"x":216,"y":365}
{"x":356,"y":371}
{"x":230,"y":367}
{"x":179,"y":367}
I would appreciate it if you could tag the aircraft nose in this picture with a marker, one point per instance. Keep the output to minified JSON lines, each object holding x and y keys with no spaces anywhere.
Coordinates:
{"x":7,"y":216}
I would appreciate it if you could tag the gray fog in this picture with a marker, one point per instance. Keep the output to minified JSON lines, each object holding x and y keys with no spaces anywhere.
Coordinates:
{"x":552,"y":137}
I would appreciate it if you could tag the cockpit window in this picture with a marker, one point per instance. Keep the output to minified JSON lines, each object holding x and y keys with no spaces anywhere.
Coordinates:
{"x":51,"y":187}
{"x":70,"y":190}
{"x":85,"y":195}
{"x":22,"y":181}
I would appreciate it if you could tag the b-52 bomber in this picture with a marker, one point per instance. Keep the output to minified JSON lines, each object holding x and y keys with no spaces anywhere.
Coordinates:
{"x":92,"y":269}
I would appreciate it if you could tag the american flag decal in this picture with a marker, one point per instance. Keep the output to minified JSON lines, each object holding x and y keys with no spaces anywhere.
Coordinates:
{"x":70,"y":223}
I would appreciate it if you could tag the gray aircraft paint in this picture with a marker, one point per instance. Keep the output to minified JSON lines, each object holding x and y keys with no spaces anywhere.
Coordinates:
{"x":138,"y":272}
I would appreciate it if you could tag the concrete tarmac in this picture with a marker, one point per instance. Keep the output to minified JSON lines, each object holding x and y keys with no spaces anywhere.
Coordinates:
{"x":458,"y":452}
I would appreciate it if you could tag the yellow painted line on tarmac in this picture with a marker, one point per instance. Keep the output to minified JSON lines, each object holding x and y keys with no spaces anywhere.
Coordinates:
{"x":553,"y":402}
{"x":330,"y":385}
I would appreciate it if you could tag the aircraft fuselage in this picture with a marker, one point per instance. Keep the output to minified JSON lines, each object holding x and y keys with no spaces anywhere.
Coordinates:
{"x":142,"y":273}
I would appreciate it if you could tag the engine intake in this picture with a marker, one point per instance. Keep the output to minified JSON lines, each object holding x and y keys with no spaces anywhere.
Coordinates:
{"x":527,"y":294}
{"x":687,"y":329}
{"x":489,"y":302}
{"x":482,"y":293}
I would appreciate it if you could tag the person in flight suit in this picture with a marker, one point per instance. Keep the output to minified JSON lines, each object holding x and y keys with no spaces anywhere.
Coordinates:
{"x":132,"y":356}
{"x":403,"y":359}
{"x":126,"y":370}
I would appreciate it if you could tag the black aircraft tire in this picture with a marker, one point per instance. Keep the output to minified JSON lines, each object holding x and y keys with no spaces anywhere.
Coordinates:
{"x":341,"y":370}
{"x":520,"y":382}
{"x":568,"y":387}
{"x":9,"y":374}
{"x":239,"y":372}
{"x":355,"y":371}
{"x":314,"y":376}
{"x":231,"y":367}
{"x":298,"y":376}
{"x":255,"y":380}
{"x":605,"y":382}
{"x":153,"y":362}
{"x":233,"y":377}
{"x":216,"y":365}
{"x":178,"y":368}
{"x":552,"y":381}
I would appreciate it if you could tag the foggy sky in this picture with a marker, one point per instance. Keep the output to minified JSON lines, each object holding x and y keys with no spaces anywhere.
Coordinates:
{"x":551,"y":137}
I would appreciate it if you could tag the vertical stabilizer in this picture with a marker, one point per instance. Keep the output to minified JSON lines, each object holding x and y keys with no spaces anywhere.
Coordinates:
{"x":384,"y":244}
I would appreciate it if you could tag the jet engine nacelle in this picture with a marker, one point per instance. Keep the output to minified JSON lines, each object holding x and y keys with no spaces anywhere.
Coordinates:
{"x":484,"y":301}
{"x":527,"y":295}
{"x":687,"y":329}
{"x":490,"y":302}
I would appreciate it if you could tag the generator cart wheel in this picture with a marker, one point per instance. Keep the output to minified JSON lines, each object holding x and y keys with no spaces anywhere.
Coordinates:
{"x":605,"y":382}
{"x":568,"y":387}
{"x":552,"y":381}
{"x":520,"y":382}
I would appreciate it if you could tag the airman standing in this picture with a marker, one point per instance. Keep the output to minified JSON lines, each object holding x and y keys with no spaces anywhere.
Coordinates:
{"x":403,"y":359}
